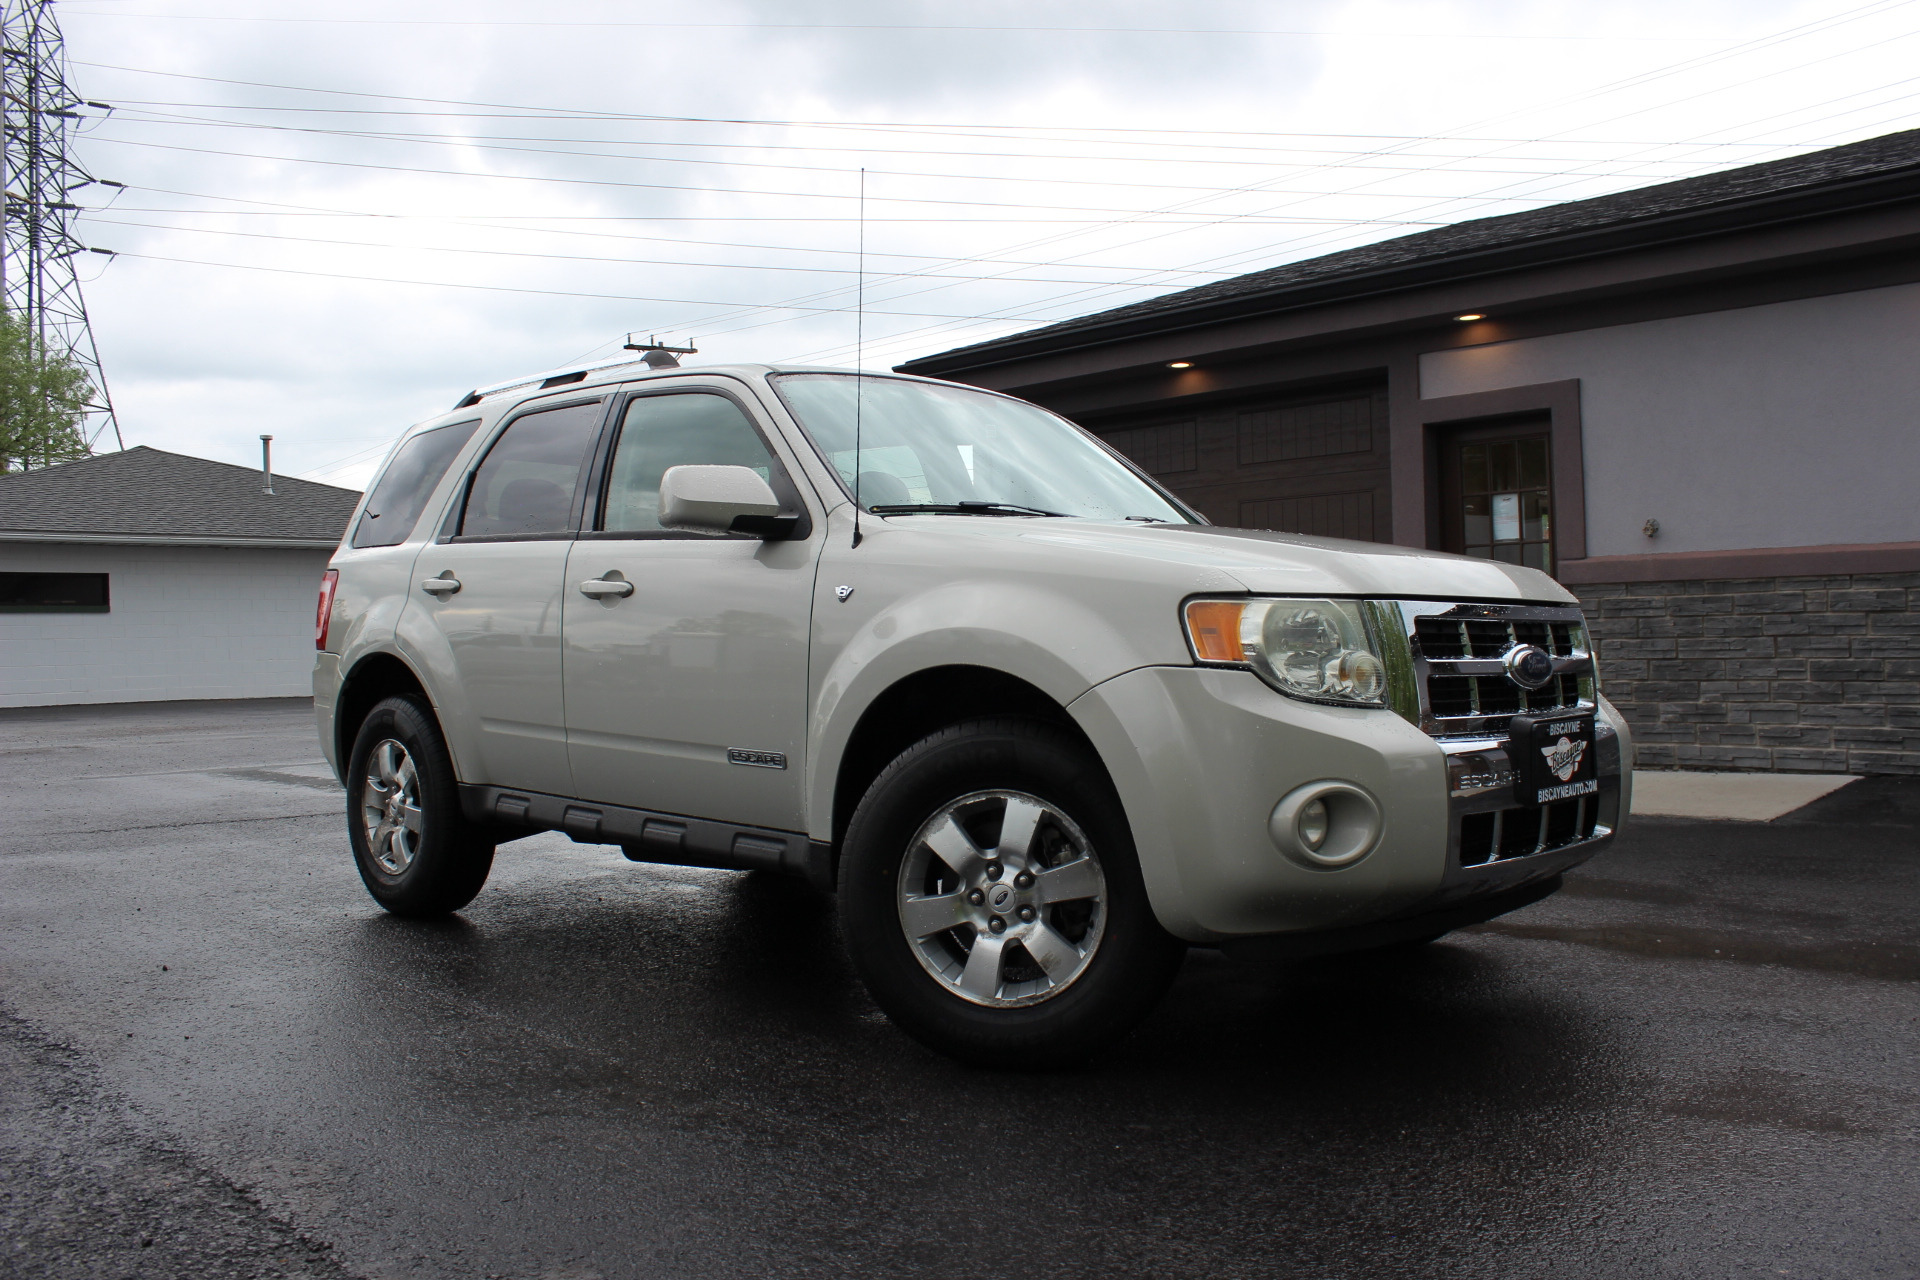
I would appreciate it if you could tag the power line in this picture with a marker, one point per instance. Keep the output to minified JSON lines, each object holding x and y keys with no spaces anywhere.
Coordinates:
{"x":559,"y":257}
{"x":498,"y":143}
{"x":1135,"y":137}
{"x":1186,"y":146}
{"x":1798,"y":32}
{"x":1135,"y":215}
{"x":664,"y":186}
{"x":901,"y":26}
{"x":918,"y":126}
{"x":491,"y":223}
{"x":500,"y":288}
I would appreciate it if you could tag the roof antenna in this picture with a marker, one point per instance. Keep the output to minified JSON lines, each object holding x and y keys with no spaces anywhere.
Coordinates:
{"x":859,"y":344}
{"x":656,"y":353}
{"x":266,"y":460}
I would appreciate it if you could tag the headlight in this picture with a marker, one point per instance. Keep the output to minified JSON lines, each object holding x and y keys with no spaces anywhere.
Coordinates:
{"x":1314,"y":649}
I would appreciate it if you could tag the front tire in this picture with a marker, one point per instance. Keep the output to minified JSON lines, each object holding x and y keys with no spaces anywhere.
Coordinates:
{"x":992,"y":900}
{"x":417,"y":853}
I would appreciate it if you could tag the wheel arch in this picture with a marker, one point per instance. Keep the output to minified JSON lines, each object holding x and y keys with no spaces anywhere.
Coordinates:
{"x":373,"y":678}
{"x":923,"y":703}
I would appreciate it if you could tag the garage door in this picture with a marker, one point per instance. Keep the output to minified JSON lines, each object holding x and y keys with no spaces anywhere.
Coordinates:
{"x":1313,"y":464}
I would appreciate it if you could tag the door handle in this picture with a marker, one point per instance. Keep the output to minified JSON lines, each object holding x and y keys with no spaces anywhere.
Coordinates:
{"x":446,"y":582}
{"x":597,"y":587}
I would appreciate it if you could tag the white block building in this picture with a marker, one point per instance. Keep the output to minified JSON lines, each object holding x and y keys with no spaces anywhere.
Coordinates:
{"x":145,"y":575}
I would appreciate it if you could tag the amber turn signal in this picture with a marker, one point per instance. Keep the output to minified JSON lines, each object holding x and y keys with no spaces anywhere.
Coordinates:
{"x":1215,"y":628}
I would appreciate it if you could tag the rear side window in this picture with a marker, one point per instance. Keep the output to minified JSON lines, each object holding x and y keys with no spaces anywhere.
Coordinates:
{"x":406,"y":484}
{"x":527,"y":482}
{"x":671,"y":431}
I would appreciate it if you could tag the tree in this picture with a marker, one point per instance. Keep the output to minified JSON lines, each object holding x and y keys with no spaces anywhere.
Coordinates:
{"x":43,"y":400}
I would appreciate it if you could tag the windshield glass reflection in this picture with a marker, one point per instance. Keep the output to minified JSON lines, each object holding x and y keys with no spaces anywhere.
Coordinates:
{"x":931,"y":447}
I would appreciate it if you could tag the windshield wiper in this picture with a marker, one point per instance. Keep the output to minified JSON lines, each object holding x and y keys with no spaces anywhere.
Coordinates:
{"x":965,"y":507}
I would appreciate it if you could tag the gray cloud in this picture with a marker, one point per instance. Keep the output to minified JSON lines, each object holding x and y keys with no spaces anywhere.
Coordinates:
{"x":204,"y":357}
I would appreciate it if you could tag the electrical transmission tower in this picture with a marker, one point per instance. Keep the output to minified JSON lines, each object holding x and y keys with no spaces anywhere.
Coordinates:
{"x":39,"y":250}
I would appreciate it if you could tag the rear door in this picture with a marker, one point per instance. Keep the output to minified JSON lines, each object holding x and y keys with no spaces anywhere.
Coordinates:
{"x":689,"y":694}
{"x":491,"y":589}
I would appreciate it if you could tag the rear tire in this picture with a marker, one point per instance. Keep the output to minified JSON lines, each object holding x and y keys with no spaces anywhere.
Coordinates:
{"x":416,"y":851}
{"x":992,"y":900}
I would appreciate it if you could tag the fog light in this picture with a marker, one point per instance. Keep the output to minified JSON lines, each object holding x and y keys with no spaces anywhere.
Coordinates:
{"x":1327,"y":824}
{"x":1312,"y":824}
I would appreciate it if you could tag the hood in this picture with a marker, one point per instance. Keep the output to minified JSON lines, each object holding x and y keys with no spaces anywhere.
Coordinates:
{"x":1274,"y":563}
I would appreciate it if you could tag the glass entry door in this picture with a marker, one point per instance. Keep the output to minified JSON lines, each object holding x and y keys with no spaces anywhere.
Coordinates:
{"x":1498,"y":495}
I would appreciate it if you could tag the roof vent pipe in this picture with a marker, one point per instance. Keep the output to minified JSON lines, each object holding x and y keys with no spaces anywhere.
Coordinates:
{"x":266,"y":460}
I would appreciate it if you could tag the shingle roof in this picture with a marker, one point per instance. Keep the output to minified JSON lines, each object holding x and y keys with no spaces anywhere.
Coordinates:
{"x":1846,"y":165}
{"x":150,"y":494}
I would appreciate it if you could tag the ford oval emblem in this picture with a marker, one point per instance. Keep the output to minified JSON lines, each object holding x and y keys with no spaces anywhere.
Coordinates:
{"x":1529,"y":666}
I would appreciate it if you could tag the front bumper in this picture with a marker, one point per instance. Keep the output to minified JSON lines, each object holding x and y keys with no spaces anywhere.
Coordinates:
{"x":1201,"y":755}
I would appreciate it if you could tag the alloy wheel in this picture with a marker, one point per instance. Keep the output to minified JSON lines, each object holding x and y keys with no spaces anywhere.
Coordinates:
{"x":390,"y":807}
{"x":1002,"y":898}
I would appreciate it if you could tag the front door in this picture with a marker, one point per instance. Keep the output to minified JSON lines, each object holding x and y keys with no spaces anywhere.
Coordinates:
{"x":1496,"y":484}
{"x":499,"y":627}
{"x":688,"y":694}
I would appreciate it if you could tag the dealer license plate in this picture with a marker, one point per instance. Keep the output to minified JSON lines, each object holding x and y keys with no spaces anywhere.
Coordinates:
{"x":1552,"y":758}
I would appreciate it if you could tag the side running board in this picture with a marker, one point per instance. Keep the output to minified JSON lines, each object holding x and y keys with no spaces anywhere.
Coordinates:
{"x":646,"y":836}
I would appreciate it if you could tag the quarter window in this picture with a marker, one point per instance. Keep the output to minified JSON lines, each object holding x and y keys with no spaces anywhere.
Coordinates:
{"x":683,"y":429}
{"x":526,"y":485}
{"x":406,"y":484}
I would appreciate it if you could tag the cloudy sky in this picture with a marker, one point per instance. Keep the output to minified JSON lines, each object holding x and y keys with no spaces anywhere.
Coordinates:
{"x":335,"y":226}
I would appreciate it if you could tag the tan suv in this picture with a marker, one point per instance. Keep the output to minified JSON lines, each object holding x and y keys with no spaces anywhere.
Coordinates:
{"x":1039,"y":724}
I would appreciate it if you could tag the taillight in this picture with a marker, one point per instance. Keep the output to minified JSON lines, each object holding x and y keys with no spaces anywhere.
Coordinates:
{"x":329,"y":581}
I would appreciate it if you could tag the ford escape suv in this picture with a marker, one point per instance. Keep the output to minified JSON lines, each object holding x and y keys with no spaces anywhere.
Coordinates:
{"x":1039,"y":724}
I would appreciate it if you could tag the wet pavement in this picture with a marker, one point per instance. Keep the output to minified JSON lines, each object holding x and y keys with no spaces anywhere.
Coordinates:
{"x":217,"y":1057}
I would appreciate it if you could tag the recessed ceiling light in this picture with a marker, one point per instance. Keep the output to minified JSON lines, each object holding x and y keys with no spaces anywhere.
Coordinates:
{"x":1470,"y":315}
{"x":1181,"y":364}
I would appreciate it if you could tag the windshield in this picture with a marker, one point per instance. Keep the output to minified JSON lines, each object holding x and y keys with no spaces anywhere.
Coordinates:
{"x":923,"y":445}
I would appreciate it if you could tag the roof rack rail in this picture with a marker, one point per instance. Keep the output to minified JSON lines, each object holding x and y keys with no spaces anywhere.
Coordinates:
{"x":555,"y":378}
{"x":653,"y":353}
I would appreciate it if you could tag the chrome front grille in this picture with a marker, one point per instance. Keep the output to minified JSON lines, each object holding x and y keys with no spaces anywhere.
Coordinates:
{"x":1499,"y":834}
{"x":1444,"y":636}
{"x":1459,"y":674}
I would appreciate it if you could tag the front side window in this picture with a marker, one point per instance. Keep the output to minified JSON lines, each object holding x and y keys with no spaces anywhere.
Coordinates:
{"x":526,"y":485}
{"x":682,"y":429}
{"x":407,"y":483}
{"x":933,"y":447}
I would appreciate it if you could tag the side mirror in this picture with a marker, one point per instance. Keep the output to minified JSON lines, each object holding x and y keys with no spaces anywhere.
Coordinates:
{"x":721,"y":500}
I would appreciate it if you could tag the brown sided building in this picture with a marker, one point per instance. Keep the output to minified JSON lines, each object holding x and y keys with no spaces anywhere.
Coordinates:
{"x":1696,"y":404}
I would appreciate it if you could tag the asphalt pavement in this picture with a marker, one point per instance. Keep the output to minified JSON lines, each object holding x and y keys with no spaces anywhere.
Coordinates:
{"x":218,"y":1058}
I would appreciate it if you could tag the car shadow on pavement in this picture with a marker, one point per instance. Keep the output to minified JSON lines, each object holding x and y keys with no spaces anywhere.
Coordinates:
{"x":1435,"y":1101}
{"x":750,"y":969}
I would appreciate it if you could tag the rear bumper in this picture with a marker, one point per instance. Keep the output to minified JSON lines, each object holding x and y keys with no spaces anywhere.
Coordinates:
{"x":326,"y":691}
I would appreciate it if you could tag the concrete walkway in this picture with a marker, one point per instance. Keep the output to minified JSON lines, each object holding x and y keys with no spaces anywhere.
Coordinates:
{"x":1739,"y":797}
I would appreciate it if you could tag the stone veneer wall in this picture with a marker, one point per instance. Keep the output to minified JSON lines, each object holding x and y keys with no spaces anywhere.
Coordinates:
{"x":1814,"y":674}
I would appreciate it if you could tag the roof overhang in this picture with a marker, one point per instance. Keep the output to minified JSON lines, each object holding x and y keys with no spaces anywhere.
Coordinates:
{"x":1418,"y":282}
{"x":167,"y":540}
